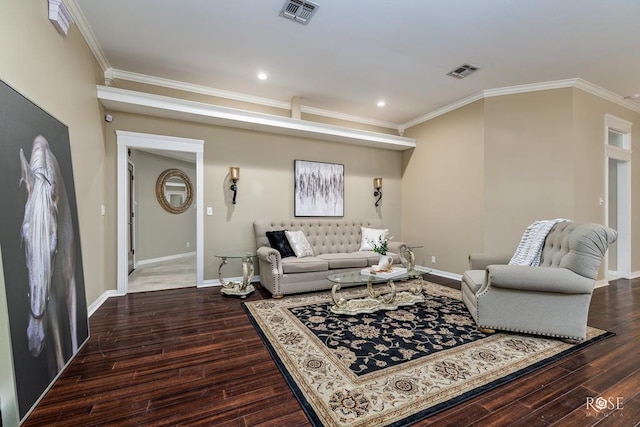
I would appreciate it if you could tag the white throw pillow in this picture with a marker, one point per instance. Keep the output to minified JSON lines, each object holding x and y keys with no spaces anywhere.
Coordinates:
{"x":371,"y":235}
{"x":299,"y":243}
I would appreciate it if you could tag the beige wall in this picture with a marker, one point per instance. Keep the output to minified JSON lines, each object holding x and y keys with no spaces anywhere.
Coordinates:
{"x":443,"y":190}
{"x":160,"y":233}
{"x":482,"y":173}
{"x":528,"y":168}
{"x":59,"y":75}
{"x":265,"y":189}
{"x":588,"y":116}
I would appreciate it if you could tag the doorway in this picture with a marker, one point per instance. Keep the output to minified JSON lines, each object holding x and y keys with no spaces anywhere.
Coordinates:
{"x":618,"y":195}
{"x":126,"y":141}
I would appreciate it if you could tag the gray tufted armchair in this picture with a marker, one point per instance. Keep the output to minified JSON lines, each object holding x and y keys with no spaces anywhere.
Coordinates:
{"x":552,"y":299}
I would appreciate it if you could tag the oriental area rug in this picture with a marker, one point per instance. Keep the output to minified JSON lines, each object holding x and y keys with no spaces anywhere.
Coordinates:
{"x":393,"y":367}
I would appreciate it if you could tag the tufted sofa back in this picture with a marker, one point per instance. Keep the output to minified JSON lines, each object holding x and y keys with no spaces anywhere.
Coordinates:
{"x":577,"y":246}
{"x":325,"y":235}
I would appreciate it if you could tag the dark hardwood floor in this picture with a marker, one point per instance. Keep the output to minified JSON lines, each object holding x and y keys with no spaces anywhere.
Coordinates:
{"x":191,"y":357}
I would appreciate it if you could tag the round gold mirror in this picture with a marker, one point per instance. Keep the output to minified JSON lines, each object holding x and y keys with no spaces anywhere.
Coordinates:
{"x":174,"y":191}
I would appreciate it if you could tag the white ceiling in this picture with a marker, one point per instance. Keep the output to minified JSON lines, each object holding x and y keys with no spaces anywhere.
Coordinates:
{"x":354,"y":53}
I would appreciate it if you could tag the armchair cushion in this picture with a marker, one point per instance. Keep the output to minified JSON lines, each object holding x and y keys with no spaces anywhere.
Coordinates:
{"x":539,"y":279}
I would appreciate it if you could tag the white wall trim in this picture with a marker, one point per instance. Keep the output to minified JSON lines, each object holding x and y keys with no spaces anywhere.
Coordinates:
{"x":164,"y":106}
{"x":216,"y":282}
{"x":199,"y":89}
{"x":164,"y":258}
{"x":236,"y":96}
{"x":126,"y":140}
{"x":87,"y":33}
{"x":534,"y":87}
{"x":441,"y":273}
{"x":100,"y":300}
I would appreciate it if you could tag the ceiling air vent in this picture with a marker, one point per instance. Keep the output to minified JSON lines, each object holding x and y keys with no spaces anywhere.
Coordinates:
{"x":463,"y":71}
{"x":299,"y":10}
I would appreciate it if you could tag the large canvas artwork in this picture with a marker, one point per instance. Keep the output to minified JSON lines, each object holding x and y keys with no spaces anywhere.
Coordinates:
{"x":319,"y":189}
{"x":40,"y":241}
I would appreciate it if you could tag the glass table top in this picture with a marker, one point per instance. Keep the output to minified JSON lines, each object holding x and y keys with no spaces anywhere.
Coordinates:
{"x":355,"y":277}
{"x":236,"y":254}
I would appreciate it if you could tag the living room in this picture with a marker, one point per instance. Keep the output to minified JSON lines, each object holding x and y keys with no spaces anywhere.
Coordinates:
{"x":481,"y":170}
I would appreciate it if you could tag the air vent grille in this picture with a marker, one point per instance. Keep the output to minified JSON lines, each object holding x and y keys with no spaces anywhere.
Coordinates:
{"x":299,"y":11}
{"x":463,"y":71}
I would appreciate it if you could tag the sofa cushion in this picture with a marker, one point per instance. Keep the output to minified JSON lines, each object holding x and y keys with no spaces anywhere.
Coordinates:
{"x":304,"y":265}
{"x":278,"y":241}
{"x":348,"y":260}
{"x":474,"y":279}
{"x":299,"y":243}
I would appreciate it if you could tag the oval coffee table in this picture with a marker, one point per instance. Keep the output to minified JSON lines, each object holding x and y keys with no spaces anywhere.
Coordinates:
{"x":375,"y":300}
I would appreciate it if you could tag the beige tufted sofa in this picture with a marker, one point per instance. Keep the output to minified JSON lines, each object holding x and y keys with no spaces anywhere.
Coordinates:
{"x":335,"y":244}
{"x":552,"y":299}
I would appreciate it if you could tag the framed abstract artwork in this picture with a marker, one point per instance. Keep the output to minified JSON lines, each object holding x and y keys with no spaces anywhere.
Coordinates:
{"x":319,"y":189}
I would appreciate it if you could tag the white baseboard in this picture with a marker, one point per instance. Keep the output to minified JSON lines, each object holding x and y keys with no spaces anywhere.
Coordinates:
{"x":100,"y":300}
{"x":164,"y":258}
{"x":216,"y":282}
{"x":440,"y":273}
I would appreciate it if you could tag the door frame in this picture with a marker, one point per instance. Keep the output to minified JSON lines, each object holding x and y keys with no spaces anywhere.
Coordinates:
{"x":131,"y":208}
{"x":623,"y":207}
{"x":126,"y":140}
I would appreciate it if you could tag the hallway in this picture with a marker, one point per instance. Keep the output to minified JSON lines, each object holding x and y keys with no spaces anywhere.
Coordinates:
{"x":173,"y":274}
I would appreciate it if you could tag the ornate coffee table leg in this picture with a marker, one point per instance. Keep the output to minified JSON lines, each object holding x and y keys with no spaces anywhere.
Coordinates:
{"x":390,"y":298}
{"x":386,"y":298}
{"x":338,"y":302}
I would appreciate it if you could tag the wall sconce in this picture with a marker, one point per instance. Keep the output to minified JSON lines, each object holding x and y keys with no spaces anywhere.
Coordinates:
{"x":377,"y":184}
{"x":234,"y":174}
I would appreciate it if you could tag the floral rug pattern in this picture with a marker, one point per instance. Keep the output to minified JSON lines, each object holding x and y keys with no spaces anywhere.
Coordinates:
{"x":391,"y":367}
{"x":369,"y":342}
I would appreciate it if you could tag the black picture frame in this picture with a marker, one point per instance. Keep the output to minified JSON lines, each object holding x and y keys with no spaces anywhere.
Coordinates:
{"x":318,"y":189}
{"x":23,"y":125}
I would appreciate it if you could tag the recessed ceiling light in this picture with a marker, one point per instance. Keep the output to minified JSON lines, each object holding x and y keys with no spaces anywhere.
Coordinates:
{"x":381,"y":103}
{"x":262,"y":76}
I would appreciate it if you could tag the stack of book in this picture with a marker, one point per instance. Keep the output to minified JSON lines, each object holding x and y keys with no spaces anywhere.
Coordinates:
{"x":395,"y":271}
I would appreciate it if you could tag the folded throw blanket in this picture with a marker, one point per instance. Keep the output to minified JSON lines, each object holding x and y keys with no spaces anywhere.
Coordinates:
{"x":530,"y":248}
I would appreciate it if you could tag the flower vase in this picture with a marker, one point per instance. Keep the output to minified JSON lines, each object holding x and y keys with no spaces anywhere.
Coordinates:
{"x":384,"y":262}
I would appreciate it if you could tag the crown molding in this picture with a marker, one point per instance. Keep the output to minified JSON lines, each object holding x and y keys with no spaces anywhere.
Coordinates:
{"x":81,"y":21}
{"x":534,"y":87}
{"x":349,"y":118}
{"x":116,"y":99}
{"x":236,"y":96}
{"x":199,"y":89}
{"x":440,"y":111}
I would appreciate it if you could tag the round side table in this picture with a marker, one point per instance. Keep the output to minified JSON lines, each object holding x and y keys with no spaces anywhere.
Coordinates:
{"x":238,"y":289}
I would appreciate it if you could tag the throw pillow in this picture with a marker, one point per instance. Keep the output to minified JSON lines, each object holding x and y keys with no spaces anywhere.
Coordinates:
{"x":278,"y":241}
{"x":299,"y":243}
{"x":370,"y":235}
